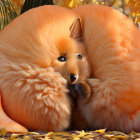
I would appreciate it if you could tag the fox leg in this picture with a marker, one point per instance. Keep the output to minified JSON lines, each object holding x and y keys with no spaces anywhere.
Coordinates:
{"x":79,"y":91}
{"x":9,"y":124}
{"x":78,"y":121}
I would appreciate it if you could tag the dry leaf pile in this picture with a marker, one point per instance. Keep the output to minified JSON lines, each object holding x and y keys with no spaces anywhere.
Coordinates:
{"x":71,"y":135}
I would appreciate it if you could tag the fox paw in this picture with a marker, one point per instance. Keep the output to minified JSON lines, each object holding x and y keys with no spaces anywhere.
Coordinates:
{"x":83,"y":89}
{"x":80,"y":89}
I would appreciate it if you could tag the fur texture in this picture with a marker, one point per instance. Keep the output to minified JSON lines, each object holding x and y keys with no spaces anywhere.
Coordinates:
{"x":33,"y":81}
{"x":113,"y":47}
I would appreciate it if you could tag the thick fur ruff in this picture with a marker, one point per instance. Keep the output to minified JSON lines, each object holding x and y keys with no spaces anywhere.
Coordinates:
{"x":113,"y":46}
{"x":32,"y":93}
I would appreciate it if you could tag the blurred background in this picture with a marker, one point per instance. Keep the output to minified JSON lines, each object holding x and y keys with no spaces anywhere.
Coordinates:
{"x":9,"y":9}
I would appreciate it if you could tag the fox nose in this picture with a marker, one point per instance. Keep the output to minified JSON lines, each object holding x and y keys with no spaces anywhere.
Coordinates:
{"x":73,"y":77}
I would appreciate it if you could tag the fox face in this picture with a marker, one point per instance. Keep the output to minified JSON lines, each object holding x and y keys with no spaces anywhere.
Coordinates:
{"x":71,"y":60}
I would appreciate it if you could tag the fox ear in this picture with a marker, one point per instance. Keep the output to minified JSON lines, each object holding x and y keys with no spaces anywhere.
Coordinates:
{"x":76,"y":29}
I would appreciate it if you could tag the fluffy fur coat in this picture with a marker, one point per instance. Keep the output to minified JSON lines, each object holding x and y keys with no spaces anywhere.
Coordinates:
{"x":113,"y":48}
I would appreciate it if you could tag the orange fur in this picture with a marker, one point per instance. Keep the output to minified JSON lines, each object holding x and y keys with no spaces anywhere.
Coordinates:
{"x":30,"y":70}
{"x":33,"y":81}
{"x":113,"y":47}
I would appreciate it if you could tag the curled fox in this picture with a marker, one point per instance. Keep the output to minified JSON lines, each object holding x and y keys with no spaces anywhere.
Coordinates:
{"x":36,"y":68}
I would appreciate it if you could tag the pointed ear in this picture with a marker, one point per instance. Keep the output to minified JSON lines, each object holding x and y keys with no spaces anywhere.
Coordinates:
{"x":76,"y":29}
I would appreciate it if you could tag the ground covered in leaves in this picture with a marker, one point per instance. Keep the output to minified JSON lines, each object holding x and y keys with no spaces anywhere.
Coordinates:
{"x":70,"y":135}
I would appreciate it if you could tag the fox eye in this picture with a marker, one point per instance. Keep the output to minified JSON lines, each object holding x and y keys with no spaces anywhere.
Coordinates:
{"x":79,"y":56}
{"x":61,"y":58}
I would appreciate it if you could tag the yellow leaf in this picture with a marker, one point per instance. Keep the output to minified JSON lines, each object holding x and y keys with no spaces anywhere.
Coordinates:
{"x":62,"y":133}
{"x":121,"y":137}
{"x":100,"y":131}
{"x":26,"y":138}
{"x":50,"y":134}
{"x":108,"y":135}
